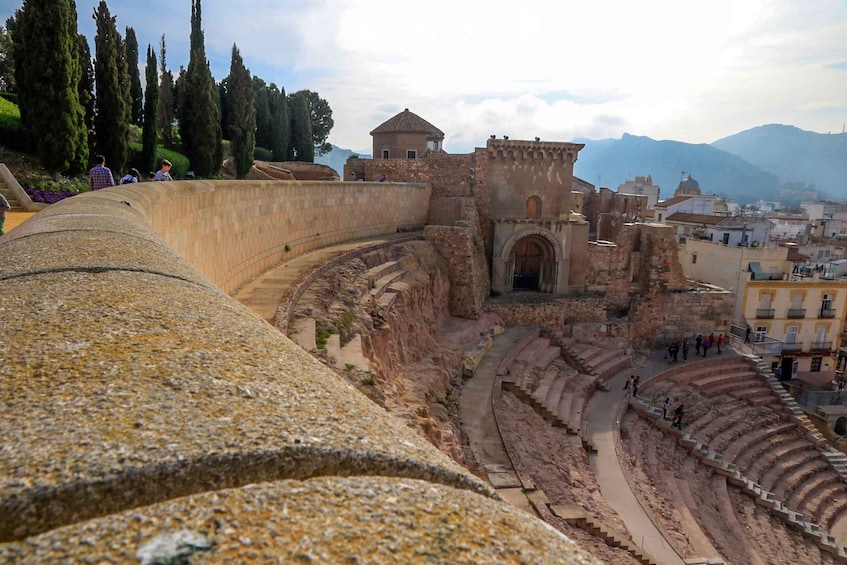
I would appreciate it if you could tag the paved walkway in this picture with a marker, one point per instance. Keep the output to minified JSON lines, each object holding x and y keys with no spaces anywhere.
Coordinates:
{"x":479,"y":424}
{"x":14,"y":219}
{"x":603,"y":424}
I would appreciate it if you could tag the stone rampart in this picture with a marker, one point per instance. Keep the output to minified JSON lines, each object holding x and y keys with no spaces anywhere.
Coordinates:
{"x":148,"y":416}
{"x":231,"y":231}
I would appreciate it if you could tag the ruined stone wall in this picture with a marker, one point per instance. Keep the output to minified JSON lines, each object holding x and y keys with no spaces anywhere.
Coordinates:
{"x":463,"y":247}
{"x":449,"y":175}
{"x":658,"y":320}
{"x":660,"y":270}
{"x":233,"y":230}
{"x":554,"y":313}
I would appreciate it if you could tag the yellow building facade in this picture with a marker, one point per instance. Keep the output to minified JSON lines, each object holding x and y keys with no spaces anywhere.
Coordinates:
{"x":806,"y":314}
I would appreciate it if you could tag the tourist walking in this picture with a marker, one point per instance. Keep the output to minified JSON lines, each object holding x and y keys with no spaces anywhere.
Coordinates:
{"x":706,"y":345}
{"x":685,"y":346}
{"x":747,"y":335}
{"x":720,"y":343}
{"x":628,"y":383}
{"x":165,"y":172}
{"x":99,"y":176}
{"x":698,"y":343}
{"x":665,"y":405}
{"x":130,"y":177}
{"x":635,"y":386}
{"x":677,"y":417}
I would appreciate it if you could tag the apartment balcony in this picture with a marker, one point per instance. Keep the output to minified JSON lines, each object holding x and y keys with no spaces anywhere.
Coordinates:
{"x":792,"y":347}
{"x":796,"y":313}
{"x":819,"y":346}
{"x":762,"y":313}
{"x":826,"y":314}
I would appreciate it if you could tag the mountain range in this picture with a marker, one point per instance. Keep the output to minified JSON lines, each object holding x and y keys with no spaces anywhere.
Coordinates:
{"x":772,"y":162}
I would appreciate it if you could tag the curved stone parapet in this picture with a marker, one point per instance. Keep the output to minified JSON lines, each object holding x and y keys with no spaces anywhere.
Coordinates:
{"x":139,"y":399}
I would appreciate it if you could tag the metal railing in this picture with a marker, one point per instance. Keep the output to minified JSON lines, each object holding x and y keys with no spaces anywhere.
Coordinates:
{"x":826,"y":314}
{"x":820,"y":346}
{"x":792,"y":347}
{"x":765,"y":313}
{"x":796,"y":313}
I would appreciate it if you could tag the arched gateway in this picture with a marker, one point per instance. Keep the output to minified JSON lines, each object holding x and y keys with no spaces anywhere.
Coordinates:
{"x":533,"y":264}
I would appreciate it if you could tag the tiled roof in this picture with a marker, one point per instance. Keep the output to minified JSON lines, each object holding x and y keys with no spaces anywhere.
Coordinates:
{"x":691,"y":218}
{"x":408,"y":122}
{"x":672,"y":201}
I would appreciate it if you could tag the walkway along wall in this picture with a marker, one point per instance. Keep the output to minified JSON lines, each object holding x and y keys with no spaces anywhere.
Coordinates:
{"x":140,"y":400}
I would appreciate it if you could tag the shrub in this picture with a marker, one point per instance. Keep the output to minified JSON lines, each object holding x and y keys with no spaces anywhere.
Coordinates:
{"x":12,"y":132}
{"x":50,"y":191}
{"x":262,"y":154}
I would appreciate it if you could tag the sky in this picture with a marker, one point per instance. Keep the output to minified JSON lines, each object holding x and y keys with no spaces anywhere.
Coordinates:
{"x":667,"y":69}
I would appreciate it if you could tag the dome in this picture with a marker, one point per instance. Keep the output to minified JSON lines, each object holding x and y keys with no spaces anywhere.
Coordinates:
{"x":688,"y":186}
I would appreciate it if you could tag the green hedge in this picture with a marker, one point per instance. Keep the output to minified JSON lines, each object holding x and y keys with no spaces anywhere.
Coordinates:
{"x":12,"y":132}
{"x":262,"y":154}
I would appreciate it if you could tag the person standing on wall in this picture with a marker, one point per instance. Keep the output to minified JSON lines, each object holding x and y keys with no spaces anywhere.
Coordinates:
{"x":165,"y":172}
{"x":130,"y":177}
{"x":100,"y":176}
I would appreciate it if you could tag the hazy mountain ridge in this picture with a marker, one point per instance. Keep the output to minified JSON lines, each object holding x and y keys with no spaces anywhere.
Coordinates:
{"x":610,"y":163}
{"x":794,"y":155}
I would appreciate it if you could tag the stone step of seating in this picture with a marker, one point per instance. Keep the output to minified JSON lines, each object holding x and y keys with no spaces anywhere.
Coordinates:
{"x":504,"y":369}
{"x":696,"y":369}
{"x":832,"y":509}
{"x":381,"y":286}
{"x":545,"y":382}
{"x":754,"y":451}
{"x":613,"y":365}
{"x":723,"y":376}
{"x":771,"y":457}
{"x":818,"y":501}
{"x":783,"y":488}
{"x":554,"y":393}
{"x":548,"y":355}
{"x":387,"y":299}
{"x":374,"y":274}
{"x":725,"y":387}
{"x":809,"y":487}
{"x":530,"y":353}
{"x":786,"y":464}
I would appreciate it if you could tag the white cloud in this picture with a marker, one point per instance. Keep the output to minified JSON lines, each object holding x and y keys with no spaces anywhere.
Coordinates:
{"x":691,"y":71}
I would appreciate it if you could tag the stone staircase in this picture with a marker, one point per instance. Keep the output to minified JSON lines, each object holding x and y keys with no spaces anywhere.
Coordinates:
{"x":577,"y":517}
{"x":590,"y":359}
{"x":10,"y":196}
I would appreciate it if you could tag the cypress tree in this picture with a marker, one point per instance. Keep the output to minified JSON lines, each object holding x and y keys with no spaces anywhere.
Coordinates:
{"x":280,"y":128}
{"x":135,"y":93}
{"x":302,"y":144}
{"x":165,"y":109}
{"x":200,"y":123}
{"x":86,"y":91}
{"x":150,"y":133}
{"x":47,"y":73}
{"x":111,"y":123}
{"x":241,"y":113}
{"x":263,"y":114}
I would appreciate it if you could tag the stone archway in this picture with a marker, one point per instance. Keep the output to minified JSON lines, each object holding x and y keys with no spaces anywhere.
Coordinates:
{"x":533,"y":264}
{"x":841,"y":426}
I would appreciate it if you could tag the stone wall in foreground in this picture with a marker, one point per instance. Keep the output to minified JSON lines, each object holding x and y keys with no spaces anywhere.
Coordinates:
{"x":147,"y":416}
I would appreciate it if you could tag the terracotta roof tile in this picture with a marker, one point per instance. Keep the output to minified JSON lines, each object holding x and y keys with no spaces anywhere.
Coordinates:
{"x":408,"y":122}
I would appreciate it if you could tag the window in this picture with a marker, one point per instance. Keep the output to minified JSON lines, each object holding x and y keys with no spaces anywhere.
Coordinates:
{"x":791,"y":334}
{"x":660,"y":217}
{"x":410,"y":154}
{"x":820,"y":336}
{"x":432,"y":144}
{"x":761,"y":333}
{"x":385,"y":154}
{"x":533,"y":208}
{"x":816,"y":364}
{"x":693,"y":258}
{"x":725,"y":239}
